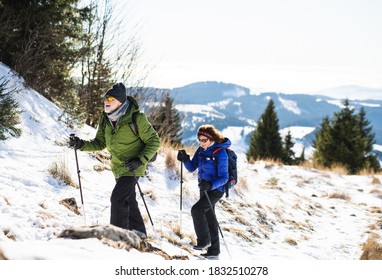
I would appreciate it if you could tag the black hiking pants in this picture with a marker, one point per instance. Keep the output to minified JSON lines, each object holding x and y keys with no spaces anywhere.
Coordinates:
{"x":124,"y":206}
{"x":205,"y":223}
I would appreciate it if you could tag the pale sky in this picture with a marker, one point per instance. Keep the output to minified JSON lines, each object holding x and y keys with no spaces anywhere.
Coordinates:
{"x":280,"y":45}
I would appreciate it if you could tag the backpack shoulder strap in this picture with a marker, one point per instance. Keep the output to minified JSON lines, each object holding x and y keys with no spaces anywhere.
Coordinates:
{"x":215,"y":158}
{"x":217,"y":150}
{"x":133,"y":124}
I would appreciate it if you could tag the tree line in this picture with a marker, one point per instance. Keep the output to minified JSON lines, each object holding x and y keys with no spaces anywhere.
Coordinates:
{"x":72,"y":54}
{"x":345,"y":140}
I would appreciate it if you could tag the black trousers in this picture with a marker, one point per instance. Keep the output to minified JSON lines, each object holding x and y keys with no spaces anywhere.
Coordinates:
{"x":124,"y":206}
{"x":205,"y":223}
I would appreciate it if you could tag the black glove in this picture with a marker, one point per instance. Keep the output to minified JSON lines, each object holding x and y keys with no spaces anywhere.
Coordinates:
{"x":133,"y":163}
{"x":75,"y":142}
{"x":204,"y":185}
{"x":183,"y":156}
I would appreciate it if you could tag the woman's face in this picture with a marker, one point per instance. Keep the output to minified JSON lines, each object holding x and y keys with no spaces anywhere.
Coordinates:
{"x":204,"y":141}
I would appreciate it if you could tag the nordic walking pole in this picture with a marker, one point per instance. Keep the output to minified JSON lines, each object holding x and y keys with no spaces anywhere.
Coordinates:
{"x":181,"y":185}
{"x":143,"y":198}
{"x":217,"y":222}
{"x":79,"y":177}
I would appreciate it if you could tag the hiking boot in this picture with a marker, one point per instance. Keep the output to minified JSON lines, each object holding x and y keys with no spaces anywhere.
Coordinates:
{"x":210,"y":256}
{"x":201,"y":247}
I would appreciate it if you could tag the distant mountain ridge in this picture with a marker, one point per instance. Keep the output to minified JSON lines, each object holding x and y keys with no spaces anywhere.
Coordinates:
{"x":225,"y":105}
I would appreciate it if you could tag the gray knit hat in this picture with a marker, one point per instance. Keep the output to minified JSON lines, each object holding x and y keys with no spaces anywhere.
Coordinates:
{"x":118,"y":92}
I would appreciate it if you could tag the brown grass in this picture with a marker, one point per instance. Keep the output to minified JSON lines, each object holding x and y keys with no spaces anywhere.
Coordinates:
{"x":9,"y":234}
{"x":377,"y":193}
{"x":375,"y":181}
{"x":171,"y":161}
{"x":291,"y":241}
{"x":240,"y":233}
{"x":372,"y":249}
{"x":242,"y":220}
{"x":60,"y":172}
{"x":342,"y":195}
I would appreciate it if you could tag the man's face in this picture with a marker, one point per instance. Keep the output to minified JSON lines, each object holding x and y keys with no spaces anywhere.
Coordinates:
{"x":110,"y":104}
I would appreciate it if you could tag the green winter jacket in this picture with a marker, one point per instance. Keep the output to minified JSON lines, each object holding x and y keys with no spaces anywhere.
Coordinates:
{"x":123,"y":144}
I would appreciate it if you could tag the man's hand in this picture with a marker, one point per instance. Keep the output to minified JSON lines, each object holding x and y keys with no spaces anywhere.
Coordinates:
{"x":133,"y":163}
{"x":75,"y":142}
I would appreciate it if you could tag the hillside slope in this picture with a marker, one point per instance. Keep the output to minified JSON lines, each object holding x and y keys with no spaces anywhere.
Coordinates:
{"x":275,"y":212}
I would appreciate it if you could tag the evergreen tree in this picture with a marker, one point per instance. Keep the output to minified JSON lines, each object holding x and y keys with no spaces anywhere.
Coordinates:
{"x":9,"y":113}
{"x":265,"y":142}
{"x":40,"y":42}
{"x":288,"y":153}
{"x":345,"y":140}
{"x":301,"y":158}
{"x":371,"y":161}
{"x":323,"y":145}
{"x":167,"y":121}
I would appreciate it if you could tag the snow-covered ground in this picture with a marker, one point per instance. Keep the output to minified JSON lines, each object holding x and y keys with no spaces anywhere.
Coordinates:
{"x":276,"y":213}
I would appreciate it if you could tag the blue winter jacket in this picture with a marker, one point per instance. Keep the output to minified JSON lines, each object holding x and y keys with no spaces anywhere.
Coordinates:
{"x":203,"y":161}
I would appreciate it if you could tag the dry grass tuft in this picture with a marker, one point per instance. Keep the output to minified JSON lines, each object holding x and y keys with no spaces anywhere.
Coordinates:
{"x":9,"y":234}
{"x":377,"y":193}
{"x":372,"y":249}
{"x":42,"y":205}
{"x":375,"y":181}
{"x":241,"y":233}
{"x":272,"y":183}
{"x":151,"y":194}
{"x":375,"y":209}
{"x":342,"y":195}
{"x":170,"y":161}
{"x":7,"y":201}
{"x":60,"y":172}
{"x":242,"y":220}
{"x":291,"y":241}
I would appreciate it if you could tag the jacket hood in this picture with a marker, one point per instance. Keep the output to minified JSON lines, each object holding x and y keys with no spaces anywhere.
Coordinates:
{"x":225,"y":144}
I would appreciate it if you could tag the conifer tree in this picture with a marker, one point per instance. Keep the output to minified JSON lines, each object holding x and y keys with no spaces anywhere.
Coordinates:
{"x":265,"y":142}
{"x":40,"y":42}
{"x":167,"y":121}
{"x":9,"y":113}
{"x":345,"y":140}
{"x":288,"y":153}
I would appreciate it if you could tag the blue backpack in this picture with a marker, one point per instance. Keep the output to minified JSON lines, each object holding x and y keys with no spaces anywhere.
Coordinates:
{"x":232,"y":168}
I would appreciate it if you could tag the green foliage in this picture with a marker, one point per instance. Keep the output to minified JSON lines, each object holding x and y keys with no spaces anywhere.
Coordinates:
{"x":9,"y":113}
{"x":167,"y":121}
{"x":265,"y":142}
{"x":346,"y":140}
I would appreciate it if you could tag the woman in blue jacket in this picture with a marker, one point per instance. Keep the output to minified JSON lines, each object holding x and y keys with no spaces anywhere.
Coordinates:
{"x":211,"y":160}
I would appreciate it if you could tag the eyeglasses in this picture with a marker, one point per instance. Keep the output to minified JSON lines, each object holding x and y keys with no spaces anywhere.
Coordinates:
{"x":109,"y":98}
{"x":203,"y":140}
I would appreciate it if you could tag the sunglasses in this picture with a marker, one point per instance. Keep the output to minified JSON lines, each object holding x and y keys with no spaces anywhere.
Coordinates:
{"x":109,"y":98}
{"x":203,"y":140}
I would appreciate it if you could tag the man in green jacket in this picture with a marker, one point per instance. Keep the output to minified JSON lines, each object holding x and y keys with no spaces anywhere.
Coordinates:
{"x":129,"y":152}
